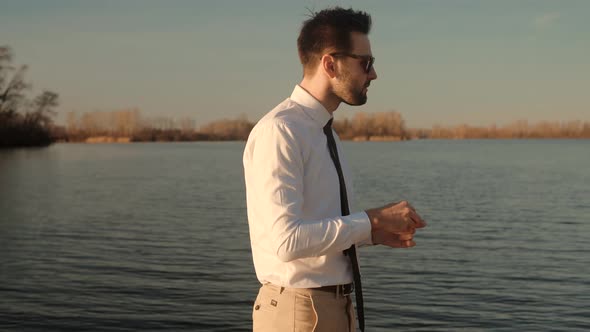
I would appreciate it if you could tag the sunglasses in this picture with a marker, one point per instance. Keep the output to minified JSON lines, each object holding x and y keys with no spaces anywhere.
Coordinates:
{"x":367,"y":61}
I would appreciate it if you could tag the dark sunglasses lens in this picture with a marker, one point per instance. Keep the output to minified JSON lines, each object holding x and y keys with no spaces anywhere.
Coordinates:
{"x":369,"y":64}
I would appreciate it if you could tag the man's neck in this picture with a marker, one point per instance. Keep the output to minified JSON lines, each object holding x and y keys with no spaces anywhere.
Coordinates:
{"x":322,"y":93}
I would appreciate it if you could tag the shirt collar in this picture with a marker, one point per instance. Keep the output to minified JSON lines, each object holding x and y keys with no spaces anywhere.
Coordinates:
{"x":311,"y":106}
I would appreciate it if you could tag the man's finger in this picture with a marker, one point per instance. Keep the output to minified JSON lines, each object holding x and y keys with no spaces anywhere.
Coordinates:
{"x":408,"y":244}
{"x":394,"y":243}
{"x":405,"y":236}
{"x":418,"y":221}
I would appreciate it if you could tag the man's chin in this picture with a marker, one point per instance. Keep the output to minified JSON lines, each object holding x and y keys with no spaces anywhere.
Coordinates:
{"x":360,"y":100}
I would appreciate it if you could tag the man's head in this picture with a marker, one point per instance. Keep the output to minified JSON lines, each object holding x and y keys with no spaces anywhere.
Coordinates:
{"x":335,"y":41}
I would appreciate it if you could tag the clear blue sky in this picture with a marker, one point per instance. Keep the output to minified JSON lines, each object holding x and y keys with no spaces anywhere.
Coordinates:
{"x":439,"y":62}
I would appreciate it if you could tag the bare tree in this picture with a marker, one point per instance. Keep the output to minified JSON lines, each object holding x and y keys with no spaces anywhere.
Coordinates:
{"x":44,"y":108}
{"x":23,"y":122}
{"x":12,"y":84}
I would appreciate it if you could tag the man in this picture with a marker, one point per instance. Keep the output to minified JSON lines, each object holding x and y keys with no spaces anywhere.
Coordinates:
{"x":303,"y":237}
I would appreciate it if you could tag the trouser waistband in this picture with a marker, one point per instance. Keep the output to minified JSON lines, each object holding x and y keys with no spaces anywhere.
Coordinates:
{"x":342,"y":290}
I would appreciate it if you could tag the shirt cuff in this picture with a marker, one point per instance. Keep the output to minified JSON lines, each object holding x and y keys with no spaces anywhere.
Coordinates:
{"x":362,"y":226}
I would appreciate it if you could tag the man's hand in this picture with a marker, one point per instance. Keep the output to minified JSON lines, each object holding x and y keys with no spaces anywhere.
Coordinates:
{"x":402,"y":240}
{"x":394,"y":224}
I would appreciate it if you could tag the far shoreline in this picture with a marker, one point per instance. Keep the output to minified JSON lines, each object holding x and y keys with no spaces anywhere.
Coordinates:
{"x":129,"y":140}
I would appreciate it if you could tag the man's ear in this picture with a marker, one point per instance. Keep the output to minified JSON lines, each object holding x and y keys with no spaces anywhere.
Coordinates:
{"x":328,"y":65}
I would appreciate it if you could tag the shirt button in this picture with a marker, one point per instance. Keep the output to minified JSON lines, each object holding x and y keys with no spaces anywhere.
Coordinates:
{"x":257,"y":307}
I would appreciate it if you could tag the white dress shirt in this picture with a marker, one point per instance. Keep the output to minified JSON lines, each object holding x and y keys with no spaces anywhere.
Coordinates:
{"x":297,"y":232}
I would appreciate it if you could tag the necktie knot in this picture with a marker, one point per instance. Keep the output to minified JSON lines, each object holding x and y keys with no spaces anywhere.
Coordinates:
{"x":328,"y":126}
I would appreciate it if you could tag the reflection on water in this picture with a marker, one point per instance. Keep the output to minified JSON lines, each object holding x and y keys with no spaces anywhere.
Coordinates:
{"x":154,"y":237}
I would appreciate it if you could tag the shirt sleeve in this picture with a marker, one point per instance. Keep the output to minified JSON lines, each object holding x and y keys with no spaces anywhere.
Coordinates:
{"x":367,"y":241}
{"x":274,"y":181}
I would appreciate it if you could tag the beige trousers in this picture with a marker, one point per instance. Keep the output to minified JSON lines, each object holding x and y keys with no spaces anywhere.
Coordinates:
{"x":302,"y":309}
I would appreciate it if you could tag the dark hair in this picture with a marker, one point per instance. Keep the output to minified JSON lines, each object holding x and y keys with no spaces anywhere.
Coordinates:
{"x":329,"y":29}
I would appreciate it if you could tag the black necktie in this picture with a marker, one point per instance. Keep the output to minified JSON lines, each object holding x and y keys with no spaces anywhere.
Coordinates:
{"x":351,"y":252}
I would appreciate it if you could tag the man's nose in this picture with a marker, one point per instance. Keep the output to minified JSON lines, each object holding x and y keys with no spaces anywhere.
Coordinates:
{"x":373,"y":74}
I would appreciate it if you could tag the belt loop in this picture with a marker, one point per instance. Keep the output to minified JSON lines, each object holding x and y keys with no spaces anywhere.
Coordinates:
{"x":338,"y":291}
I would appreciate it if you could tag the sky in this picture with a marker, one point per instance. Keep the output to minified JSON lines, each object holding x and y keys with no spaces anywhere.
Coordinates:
{"x":439,"y":62}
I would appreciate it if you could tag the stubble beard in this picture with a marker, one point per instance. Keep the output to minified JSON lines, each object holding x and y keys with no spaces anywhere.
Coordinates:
{"x":348,"y":92}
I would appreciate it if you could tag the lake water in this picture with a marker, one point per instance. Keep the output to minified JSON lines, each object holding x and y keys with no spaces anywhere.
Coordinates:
{"x":154,"y":237}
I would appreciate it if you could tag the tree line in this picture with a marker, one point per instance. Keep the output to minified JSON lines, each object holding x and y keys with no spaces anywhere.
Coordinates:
{"x":515,"y":130}
{"x":129,"y":125}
